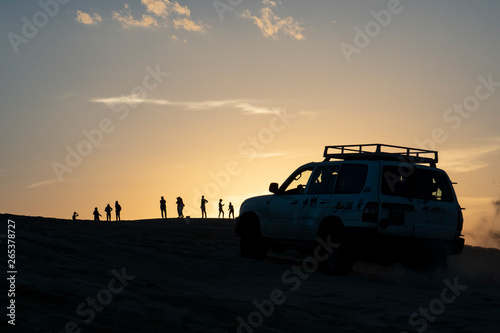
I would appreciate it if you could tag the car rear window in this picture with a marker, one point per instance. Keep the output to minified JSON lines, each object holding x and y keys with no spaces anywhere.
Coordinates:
{"x":416,"y":183}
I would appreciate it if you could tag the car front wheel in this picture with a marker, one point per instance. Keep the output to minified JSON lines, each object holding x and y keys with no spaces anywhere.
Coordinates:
{"x":252,"y":244}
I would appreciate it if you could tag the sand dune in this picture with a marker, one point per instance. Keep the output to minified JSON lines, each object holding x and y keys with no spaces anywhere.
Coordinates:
{"x":173,"y":276}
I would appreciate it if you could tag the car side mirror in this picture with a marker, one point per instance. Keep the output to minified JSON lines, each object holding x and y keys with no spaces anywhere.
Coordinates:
{"x":273,"y":188}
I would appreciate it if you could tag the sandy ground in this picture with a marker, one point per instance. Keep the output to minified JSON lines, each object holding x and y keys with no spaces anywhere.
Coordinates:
{"x":173,"y":276}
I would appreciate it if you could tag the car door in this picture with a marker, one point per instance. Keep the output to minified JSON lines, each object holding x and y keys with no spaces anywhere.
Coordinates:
{"x":436,"y":210}
{"x":281,"y":220}
{"x":314,"y":204}
{"x":353,"y":190}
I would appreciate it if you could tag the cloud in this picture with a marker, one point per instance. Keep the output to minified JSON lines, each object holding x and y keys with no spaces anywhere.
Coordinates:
{"x":163,"y":8}
{"x":126,"y":99}
{"x":270,"y":3}
{"x":466,"y":159}
{"x":188,"y":25}
{"x":181,"y":10}
{"x":42,"y":183}
{"x":270,"y":24}
{"x":159,"y":8}
{"x":84,"y":18}
{"x":160,"y":13}
{"x":252,"y":109}
{"x":127,"y":20}
{"x":245,"y":106}
{"x":204,"y":105}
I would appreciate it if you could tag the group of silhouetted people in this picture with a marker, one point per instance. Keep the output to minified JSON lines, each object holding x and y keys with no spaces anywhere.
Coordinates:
{"x":221,"y":208}
{"x":163,"y":209}
{"x":230,"y":209}
{"x":203,"y":207}
{"x":108,"y":211}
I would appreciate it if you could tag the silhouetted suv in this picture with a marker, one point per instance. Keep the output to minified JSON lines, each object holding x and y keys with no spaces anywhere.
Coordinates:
{"x":372,"y":202}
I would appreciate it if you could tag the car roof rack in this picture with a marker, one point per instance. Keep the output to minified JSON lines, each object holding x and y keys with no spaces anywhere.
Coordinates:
{"x":377,"y":151}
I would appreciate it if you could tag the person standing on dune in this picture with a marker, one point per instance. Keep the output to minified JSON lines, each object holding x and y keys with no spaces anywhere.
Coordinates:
{"x":108,"y":210}
{"x":180,"y":207}
{"x":203,"y":207}
{"x":118,"y":209}
{"x":163,"y":207}
{"x":96,"y":215}
{"x":221,"y":211}
{"x":231,"y":210}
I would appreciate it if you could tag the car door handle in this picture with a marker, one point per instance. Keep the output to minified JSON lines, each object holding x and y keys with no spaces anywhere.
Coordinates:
{"x":323,"y":201}
{"x":293,"y":202}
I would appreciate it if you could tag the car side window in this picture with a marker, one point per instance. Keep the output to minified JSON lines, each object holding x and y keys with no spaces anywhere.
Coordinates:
{"x":323,"y":179}
{"x":351,"y":179}
{"x":397,"y":182}
{"x":296,"y":184}
{"x":432,"y":185}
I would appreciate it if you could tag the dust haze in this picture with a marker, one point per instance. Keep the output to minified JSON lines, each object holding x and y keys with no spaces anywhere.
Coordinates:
{"x":486,"y":232}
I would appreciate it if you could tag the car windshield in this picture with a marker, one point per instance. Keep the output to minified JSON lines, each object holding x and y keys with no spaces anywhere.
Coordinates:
{"x":297,"y":183}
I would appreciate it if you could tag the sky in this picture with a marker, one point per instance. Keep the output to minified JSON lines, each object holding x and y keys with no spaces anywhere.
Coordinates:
{"x":132,"y":100}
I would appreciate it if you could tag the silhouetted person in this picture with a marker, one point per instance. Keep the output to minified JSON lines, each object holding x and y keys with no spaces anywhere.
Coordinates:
{"x":231,"y":210}
{"x":75,"y":214}
{"x":221,"y":211}
{"x":108,"y":210}
{"x":96,"y":214}
{"x":180,"y":207}
{"x":203,"y":207}
{"x":163,"y":207}
{"x":118,"y":209}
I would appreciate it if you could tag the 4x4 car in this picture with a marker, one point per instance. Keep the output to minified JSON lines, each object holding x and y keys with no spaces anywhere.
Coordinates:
{"x":373,"y":202}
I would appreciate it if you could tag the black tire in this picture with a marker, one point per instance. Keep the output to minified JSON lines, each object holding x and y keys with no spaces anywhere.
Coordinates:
{"x":252,"y":244}
{"x":440,"y":258}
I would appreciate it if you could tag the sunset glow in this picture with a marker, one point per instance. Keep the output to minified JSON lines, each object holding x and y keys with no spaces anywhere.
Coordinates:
{"x":134,"y":100}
